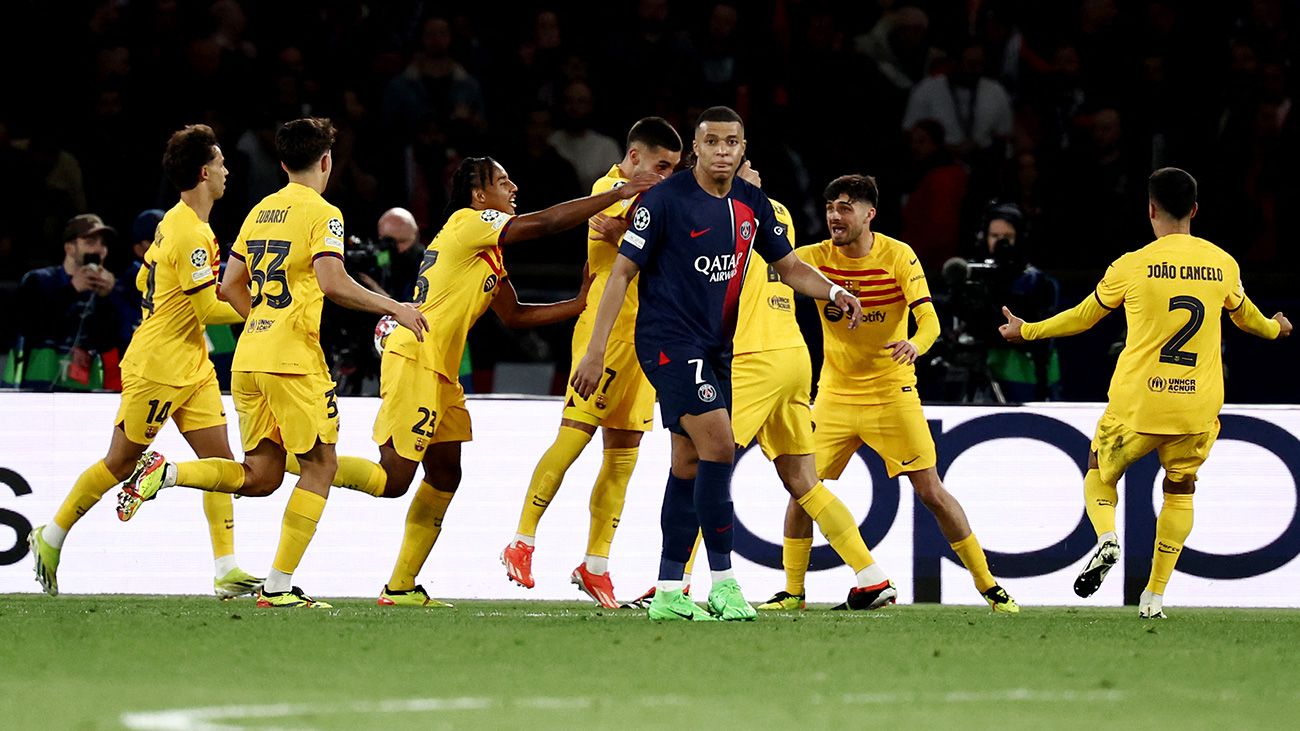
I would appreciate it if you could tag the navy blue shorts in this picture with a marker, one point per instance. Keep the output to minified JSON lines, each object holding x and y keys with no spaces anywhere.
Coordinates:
{"x":688,"y":384}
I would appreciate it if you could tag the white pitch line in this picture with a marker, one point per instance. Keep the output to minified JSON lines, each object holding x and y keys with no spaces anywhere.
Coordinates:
{"x":226,"y":718}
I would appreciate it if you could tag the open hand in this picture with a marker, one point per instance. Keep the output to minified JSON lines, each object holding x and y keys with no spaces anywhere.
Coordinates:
{"x":902,"y":351}
{"x":410,"y":317}
{"x":638,"y":185}
{"x":608,"y":228}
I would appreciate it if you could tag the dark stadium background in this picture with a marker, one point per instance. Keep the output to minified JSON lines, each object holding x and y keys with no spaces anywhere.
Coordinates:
{"x":1103,"y":91}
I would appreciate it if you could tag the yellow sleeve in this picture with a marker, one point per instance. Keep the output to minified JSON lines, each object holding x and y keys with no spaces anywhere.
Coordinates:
{"x":210,"y":310}
{"x":784,"y":218}
{"x":619,"y":209}
{"x":193,"y":260}
{"x":326,"y":235}
{"x":927,"y":326}
{"x":1247,"y":317}
{"x":1071,"y":322}
{"x":483,"y":230}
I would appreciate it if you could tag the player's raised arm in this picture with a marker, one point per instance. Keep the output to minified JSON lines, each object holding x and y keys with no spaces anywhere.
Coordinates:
{"x":1105,"y":299}
{"x":344,"y":290}
{"x":516,"y":314}
{"x":1247,"y":317}
{"x":592,"y":366}
{"x":564,"y":216}
{"x":809,"y":282}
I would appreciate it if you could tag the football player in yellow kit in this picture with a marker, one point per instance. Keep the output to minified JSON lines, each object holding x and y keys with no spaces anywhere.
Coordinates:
{"x":166,"y":373}
{"x":623,"y":408}
{"x":290,"y":249}
{"x":1167,"y":389}
{"x":423,"y":419}
{"x":867,"y":391}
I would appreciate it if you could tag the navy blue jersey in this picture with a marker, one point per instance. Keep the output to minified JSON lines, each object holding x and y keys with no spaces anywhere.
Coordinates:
{"x":692,"y":248}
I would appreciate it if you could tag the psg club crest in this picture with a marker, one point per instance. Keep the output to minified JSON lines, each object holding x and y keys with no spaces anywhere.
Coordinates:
{"x":746,"y":230}
{"x":707,"y":393}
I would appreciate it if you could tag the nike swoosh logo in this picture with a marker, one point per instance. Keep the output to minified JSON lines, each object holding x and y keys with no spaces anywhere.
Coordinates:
{"x":683,"y":616}
{"x":696,"y":234}
{"x":1162,"y":549}
{"x":648,"y":421}
{"x":910,"y":461}
{"x":911,"y":262}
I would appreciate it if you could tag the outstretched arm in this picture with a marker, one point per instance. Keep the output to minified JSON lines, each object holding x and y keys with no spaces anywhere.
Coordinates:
{"x":344,"y":290}
{"x":592,"y":366}
{"x":515,"y":314}
{"x":1071,"y":322}
{"x":809,"y":282}
{"x":564,"y":216}
{"x":1247,"y":317}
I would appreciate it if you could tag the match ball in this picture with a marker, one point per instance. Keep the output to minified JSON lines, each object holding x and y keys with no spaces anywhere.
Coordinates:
{"x":383,"y":329}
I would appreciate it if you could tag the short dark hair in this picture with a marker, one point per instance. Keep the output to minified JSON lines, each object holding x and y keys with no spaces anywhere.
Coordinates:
{"x":861,"y":188}
{"x":655,"y":132}
{"x":302,"y":142}
{"x":188,"y":150}
{"x":472,"y":173}
{"x":1173,"y":191}
{"x":719,"y":114}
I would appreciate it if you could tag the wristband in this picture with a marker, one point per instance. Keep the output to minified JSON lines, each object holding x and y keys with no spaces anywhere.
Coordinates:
{"x":835,"y":291}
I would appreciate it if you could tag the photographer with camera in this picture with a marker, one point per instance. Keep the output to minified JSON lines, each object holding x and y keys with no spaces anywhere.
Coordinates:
{"x":387,"y":264}
{"x":978,"y":362}
{"x":72,"y":316}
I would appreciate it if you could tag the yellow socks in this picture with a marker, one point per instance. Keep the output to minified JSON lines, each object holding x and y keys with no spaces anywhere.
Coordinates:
{"x":86,"y":491}
{"x":837,"y":524}
{"x":423,"y":524}
{"x":219,"y":509}
{"x":972,"y":557}
{"x":1172,"y":528}
{"x":795,"y":553}
{"x":213,"y":474}
{"x":354,"y":473}
{"x":300,"y":517}
{"x":1100,"y":500}
{"x":550,"y":470}
{"x":607,"y":497}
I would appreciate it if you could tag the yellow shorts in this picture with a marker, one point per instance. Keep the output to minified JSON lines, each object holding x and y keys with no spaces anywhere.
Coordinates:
{"x":147,"y":405}
{"x":420,"y":407}
{"x":769,"y":401}
{"x":1117,"y":446}
{"x":897,"y":431}
{"x":625,"y":399}
{"x":292,"y":410}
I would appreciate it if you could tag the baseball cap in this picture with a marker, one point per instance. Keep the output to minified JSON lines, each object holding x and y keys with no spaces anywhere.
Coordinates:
{"x":85,"y":225}
{"x":146,"y":224}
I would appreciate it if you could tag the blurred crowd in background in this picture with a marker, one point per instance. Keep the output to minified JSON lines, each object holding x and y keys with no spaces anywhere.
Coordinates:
{"x":1012,"y":140}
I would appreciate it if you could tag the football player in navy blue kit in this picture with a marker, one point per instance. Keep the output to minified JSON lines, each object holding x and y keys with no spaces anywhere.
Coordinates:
{"x":689,"y":239}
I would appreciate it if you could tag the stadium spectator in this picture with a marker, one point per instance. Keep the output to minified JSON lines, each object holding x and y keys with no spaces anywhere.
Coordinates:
{"x":72,"y":325}
{"x":399,"y":234}
{"x":930,"y":220}
{"x":975,"y":111}
{"x":590,"y":152}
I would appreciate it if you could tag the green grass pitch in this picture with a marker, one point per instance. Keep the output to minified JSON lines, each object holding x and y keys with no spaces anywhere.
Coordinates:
{"x":79,"y":662}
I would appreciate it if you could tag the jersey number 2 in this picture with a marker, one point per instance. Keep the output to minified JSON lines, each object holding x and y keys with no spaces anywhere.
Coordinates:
{"x":1172,"y":351}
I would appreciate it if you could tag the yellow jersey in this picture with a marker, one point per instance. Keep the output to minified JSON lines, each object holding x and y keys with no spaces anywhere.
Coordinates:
{"x":600,"y":262}
{"x":1169,"y":378}
{"x":890,"y":283}
{"x":169,"y":347}
{"x":280,"y":241}
{"x":766,"y":320}
{"x":458,"y":279}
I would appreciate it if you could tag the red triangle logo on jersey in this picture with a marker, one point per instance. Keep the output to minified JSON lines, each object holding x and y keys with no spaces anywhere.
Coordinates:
{"x":663,"y":359}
